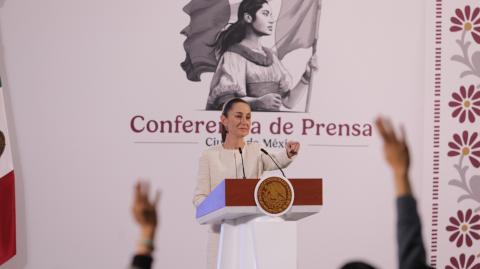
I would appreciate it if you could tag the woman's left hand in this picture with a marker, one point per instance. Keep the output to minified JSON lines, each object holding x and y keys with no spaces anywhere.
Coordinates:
{"x":312,"y":64}
{"x":292,"y":148}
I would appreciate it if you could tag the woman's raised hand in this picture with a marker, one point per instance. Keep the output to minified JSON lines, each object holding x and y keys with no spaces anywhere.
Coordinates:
{"x":394,"y":146}
{"x":292,"y":148}
{"x":144,"y":211}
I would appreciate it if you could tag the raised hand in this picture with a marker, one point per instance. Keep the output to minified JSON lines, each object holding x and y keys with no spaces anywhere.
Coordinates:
{"x":396,"y":154}
{"x":292,"y":148}
{"x":145,"y":214}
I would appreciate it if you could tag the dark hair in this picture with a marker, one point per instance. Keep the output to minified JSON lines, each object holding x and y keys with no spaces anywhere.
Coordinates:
{"x":357,"y":265}
{"x":226,"y":108}
{"x":238,"y":30}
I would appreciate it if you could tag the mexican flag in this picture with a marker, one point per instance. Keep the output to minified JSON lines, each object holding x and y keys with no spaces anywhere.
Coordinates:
{"x":296,"y":27}
{"x":7,"y":190}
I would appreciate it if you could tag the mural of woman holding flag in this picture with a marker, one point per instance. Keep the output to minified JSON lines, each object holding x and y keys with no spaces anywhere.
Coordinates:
{"x":249,"y":70}
{"x":244,"y":67}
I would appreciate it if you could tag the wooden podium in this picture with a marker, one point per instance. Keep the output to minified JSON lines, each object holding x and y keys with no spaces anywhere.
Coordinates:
{"x":249,"y":238}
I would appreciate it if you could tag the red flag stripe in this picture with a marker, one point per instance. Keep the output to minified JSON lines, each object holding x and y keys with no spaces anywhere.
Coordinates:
{"x":7,"y":217}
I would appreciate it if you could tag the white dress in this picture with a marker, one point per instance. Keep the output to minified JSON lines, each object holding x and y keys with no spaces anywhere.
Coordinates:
{"x":217,"y":164}
{"x":243,"y":72}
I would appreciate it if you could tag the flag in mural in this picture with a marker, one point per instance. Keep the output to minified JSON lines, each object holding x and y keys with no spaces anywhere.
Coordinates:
{"x":7,"y":190}
{"x":207,"y":19}
{"x":296,"y":27}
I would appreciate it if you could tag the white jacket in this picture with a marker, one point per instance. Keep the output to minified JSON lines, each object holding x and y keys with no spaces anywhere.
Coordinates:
{"x":217,"y":164}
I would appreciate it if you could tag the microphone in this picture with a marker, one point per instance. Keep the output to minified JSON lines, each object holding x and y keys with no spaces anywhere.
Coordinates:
{"x":278,"y":166}
{"x":243,"y":166}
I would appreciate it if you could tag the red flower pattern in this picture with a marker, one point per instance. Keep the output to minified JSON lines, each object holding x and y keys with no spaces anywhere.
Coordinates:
{"x":463,"y":263}
{"x":466,"y":104}
{"x":464,"y":228}
{"x":467,"y":146}
{"x":467,"y":20}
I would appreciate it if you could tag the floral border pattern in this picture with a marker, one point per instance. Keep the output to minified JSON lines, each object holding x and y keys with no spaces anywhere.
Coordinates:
{"x":463,"y":225}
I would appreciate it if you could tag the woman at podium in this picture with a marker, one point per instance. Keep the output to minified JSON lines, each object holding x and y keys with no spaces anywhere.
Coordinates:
{"x":234,"y":158}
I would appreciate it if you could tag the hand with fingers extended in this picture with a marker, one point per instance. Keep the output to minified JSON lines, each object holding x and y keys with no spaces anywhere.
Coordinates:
{"x":396,"y":154}
{"x":411,"y":250}
{"x":145,"y":214}
{"x":395,"y":146}
{"x":292,"y":148}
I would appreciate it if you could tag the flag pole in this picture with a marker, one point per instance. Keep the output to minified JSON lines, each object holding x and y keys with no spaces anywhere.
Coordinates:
{"x":314,"y":51}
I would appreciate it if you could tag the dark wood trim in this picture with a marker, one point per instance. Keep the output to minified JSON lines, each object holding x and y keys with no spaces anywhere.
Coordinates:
{"x":240,"y":192}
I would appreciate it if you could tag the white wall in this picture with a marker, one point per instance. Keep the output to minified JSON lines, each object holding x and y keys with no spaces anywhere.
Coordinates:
{"x":75,"y":72}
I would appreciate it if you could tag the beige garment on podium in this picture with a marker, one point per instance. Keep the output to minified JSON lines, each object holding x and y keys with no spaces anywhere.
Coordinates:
{"x":217,"y":164}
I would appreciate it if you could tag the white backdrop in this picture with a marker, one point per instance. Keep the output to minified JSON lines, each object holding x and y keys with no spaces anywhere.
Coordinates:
{"x":76,"y":72}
